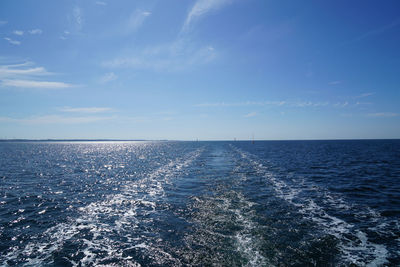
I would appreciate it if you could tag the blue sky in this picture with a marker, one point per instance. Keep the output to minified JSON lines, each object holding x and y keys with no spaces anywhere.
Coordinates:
{"x":200,"y":69}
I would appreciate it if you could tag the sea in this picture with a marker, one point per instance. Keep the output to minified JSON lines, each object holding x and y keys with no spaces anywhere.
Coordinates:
{"x":221,"y":203}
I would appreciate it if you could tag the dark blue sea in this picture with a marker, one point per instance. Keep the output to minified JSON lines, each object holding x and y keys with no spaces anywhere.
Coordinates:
{"x":271,"y":203}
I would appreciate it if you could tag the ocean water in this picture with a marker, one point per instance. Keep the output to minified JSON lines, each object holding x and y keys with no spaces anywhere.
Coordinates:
{"x":271,"y":203}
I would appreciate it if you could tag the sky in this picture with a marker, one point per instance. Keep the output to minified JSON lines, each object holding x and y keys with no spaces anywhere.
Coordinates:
{"x":200,"y":69}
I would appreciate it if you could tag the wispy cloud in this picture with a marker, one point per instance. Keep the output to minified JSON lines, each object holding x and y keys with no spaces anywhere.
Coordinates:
{"x":65,"y":35}
{"x":364,"y":95}
{"x":378,"y":31}
{"x":9,"y":71}
{"x":302,"y":104}
{"x":363,"y":103}
{"x":17,"y":32}
{"x":290,"y":104}
{"x":178,"y":55}
{"x":101,"y":3}
{"x":56,"y":119}
{"x":3,"y":22}
{"x":239,"y":104}
{"x":341,"y":104}
{"x":249,"y":115}
{"x":86,"y":109}
{"x":84,"y":119}
{"x":383,"y":114}
{"x":175,"y":56}
{"x":35,"y":84}
{"x":26,"y":75}
{"x":78,"y":17}
{"x":108,"y":77}
{"x":35,"y":31}
{"x":135,"y":20}
{"x":11,"y":41}
{"x":200,"y":9}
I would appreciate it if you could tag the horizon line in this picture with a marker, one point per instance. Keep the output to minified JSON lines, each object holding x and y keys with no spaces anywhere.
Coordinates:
{"x":179,"y":140}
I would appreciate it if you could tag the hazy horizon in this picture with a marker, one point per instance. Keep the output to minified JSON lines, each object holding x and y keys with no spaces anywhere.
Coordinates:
{"x":199,"y":69}
{"x":179,"y":140}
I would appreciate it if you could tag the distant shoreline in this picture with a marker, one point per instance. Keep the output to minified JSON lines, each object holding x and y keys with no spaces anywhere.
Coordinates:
{"x":164,"y":140}
{"x":75,"y":140}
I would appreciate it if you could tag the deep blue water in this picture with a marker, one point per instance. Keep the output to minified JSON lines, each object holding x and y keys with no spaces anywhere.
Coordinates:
{"x":272,"y":203}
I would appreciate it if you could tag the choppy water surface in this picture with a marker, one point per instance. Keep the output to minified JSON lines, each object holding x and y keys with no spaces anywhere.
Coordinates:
{"x":289,"y":203}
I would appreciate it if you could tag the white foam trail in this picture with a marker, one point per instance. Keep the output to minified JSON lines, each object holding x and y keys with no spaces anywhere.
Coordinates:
{"x":246,"y":242}
{"x":359,"y":251}
{"x":231,"y":205}
{"x":135,"y":198}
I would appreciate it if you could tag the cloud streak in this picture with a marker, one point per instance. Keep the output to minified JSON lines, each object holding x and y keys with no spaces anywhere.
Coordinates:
{"x":241,"y":104}
{"x":178,"y":55}
{"x":21,"y":70}
{"x":17,"y":32}
{"x":78,"y":17}
{"x":341,"y":104}
{"x":64,"y":35}
{"x":108,"y":77}
{"x":56,"y":119}
{"x":175,"y":56}
{"x":383,"y":115}
{"x":200,"y":9}
{"x":26,"y":75}
{"x":11,"y":41}
{"x":292,"y":104}
{"x":135,"y":20}
{"x":35,"y":31}
{"x":364,"y":95}
{"x":251,"y":114}
{"x":378,"y":31}
{"x":35,"y":84}
{"x":86,"y":109}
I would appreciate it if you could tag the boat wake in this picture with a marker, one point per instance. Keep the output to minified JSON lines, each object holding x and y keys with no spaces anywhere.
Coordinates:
{"x":110,"y":231}
{"x":353,"y":243}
